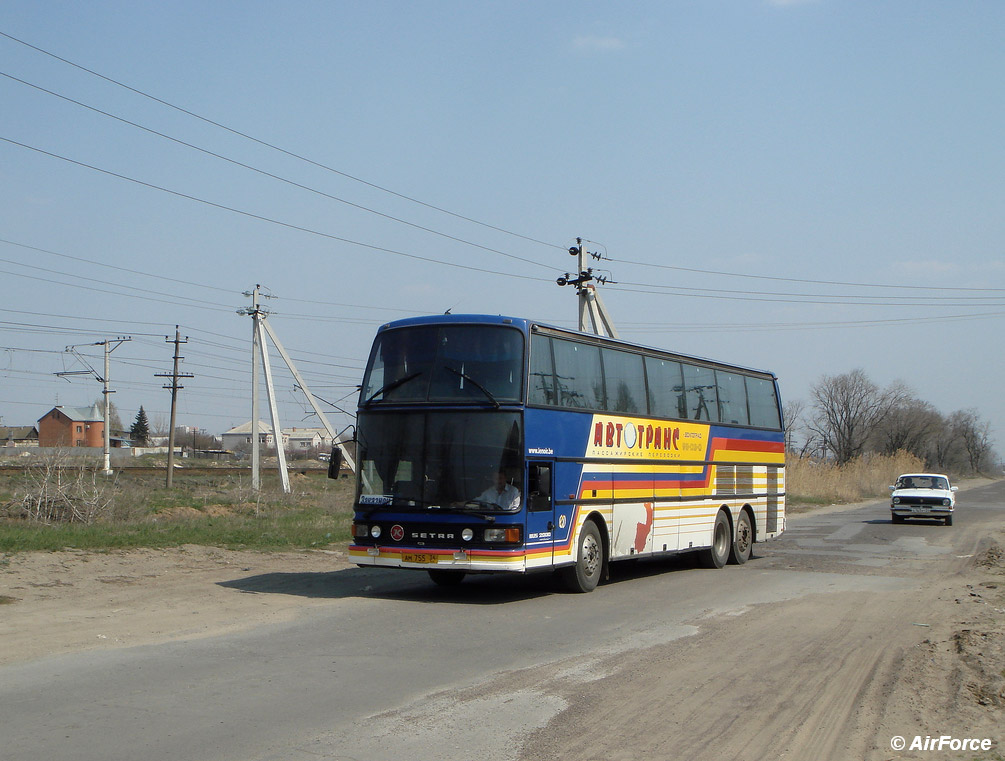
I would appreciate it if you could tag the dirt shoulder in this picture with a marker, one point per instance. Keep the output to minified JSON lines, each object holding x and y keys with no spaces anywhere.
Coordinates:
{"x":63,"y":602}
{"x":827,"y":677}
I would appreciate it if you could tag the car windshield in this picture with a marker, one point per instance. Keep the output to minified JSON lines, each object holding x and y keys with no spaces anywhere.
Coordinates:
{"x":440,"y":460}
{"x":922,"y":482}
{"x":445,"y":363}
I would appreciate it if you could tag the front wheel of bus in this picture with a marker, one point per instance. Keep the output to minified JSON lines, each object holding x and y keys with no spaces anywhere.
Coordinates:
{"x":585,"y":574}
{"x":446,"y":578}
{"x":743,"y":545}
{"x":716,"y":555}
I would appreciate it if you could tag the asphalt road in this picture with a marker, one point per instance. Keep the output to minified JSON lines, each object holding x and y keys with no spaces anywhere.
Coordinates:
{"x":394,"y":667}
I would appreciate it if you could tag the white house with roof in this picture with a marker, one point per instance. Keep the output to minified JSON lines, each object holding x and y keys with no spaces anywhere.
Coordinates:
{"x":294,"y":439}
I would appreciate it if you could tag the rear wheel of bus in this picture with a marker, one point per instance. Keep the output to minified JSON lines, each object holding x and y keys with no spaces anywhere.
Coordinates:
{"x":585,"y":574}
{"x":717,"y":555}
{"x":743,"y":544}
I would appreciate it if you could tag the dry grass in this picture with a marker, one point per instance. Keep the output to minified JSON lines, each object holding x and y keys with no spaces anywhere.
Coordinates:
{"x":810,"y":482}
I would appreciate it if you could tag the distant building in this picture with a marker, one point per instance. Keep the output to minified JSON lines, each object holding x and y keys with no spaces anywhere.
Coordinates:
{"x":18,"y":436}
{"x":240,"y":437}
{"x":294,"y":439}
{"x":72,"y":427}
{"x":303,"y":439}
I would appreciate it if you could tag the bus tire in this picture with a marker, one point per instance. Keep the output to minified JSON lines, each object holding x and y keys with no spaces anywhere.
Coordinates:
{"x":585,"y":574}
{"x":717,"y":555}
{"x":446,"y":578}
{"x":743,"y":545}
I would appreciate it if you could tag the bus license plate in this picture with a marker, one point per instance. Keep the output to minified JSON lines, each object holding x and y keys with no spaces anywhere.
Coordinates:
{"x":418,"y":557}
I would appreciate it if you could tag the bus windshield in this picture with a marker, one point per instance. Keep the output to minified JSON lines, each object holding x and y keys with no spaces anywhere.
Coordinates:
{"x":445,"y":363}
{"x":440,"y":460}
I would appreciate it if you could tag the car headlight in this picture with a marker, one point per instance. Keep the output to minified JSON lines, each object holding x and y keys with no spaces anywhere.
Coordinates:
{"x":896,"y":500}
{"x":947,"y":502}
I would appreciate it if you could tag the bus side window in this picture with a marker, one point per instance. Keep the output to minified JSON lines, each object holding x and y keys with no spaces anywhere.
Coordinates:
{"x":539,"y":486}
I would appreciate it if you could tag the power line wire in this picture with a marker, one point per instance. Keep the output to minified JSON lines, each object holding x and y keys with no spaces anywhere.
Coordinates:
{"x":802,"y":280}
{"x":279,"y":149}
{"x":270,"y":220}
{"x":273,"y":176}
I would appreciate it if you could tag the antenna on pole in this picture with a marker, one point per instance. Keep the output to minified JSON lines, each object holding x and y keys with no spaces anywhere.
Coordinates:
{"x":591,"y":306}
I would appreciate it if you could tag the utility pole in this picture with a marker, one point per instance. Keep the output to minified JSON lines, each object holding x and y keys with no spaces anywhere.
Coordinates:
{"x":262,"y":329}
{"x":591,"y":306}
{"x":256,"y":476}
{"x":174,"y":388}
{"x":259,"y":348}
{"x":105,"y":390}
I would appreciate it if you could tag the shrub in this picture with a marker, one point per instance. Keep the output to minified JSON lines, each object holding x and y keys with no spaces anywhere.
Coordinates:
{"x":814,"y":481}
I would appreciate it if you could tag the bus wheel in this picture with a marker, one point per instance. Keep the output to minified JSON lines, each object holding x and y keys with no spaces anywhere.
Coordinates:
{"x":446,"y":578}
{"x":716,"y":555}
{"x":585,"y":574}
{"x":743,"y":545}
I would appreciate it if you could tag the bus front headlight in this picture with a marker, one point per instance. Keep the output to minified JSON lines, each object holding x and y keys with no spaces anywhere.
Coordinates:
{"x":508,"y":535}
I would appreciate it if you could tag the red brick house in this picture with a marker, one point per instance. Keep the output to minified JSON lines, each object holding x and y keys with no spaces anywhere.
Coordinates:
{"x":72,"y":427}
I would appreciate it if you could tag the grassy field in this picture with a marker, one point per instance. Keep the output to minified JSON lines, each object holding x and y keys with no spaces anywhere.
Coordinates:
{"x":136,"y":510}
{"x":133,"y":509}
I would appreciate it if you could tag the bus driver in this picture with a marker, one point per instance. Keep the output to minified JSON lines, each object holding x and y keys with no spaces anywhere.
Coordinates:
{"x":503,"y":494}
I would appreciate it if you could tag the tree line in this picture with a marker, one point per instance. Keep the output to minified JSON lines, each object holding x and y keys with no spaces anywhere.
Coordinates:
{"x":850,"y":416}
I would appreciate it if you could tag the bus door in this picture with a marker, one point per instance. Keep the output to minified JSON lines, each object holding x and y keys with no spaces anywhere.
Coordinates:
{"x":541,"y":527}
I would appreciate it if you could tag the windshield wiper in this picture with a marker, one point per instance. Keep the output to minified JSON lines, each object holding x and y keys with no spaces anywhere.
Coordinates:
{"x":392,"y":385}
{"x":474,"y":383}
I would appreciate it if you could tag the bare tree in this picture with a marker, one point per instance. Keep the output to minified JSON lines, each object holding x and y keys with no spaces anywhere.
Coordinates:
{"x":944,"y":446}
{"x":114,"y":421}
{"x":159,"y":425}
{"x":799,"y":440}
{"x":909,"y":427}
{"x":847,"y":410}
{"x":975,"y":435}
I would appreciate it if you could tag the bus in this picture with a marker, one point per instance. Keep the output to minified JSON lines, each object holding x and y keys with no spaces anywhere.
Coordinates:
{"x":490,"y":444}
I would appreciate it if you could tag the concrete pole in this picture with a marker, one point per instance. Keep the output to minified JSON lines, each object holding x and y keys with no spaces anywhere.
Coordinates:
{"x":108,"y":434}
{"x":256,"y":476}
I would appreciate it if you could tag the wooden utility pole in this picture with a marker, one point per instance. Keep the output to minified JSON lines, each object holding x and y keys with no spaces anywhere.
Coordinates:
{"x":174,"y":387}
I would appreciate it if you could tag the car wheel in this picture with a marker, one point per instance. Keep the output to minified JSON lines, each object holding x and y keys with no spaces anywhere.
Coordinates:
{"x":949,"y":520}
{"x":896,"y":518}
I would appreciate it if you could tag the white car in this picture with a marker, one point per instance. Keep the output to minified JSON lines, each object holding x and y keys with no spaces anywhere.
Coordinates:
{"x":922,"y":495}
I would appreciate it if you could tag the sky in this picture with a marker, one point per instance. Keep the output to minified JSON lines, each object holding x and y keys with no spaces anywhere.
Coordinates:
{"x":803,"y":186}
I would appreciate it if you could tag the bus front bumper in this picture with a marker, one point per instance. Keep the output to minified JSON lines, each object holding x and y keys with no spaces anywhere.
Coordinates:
{"x":438,"y":559}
